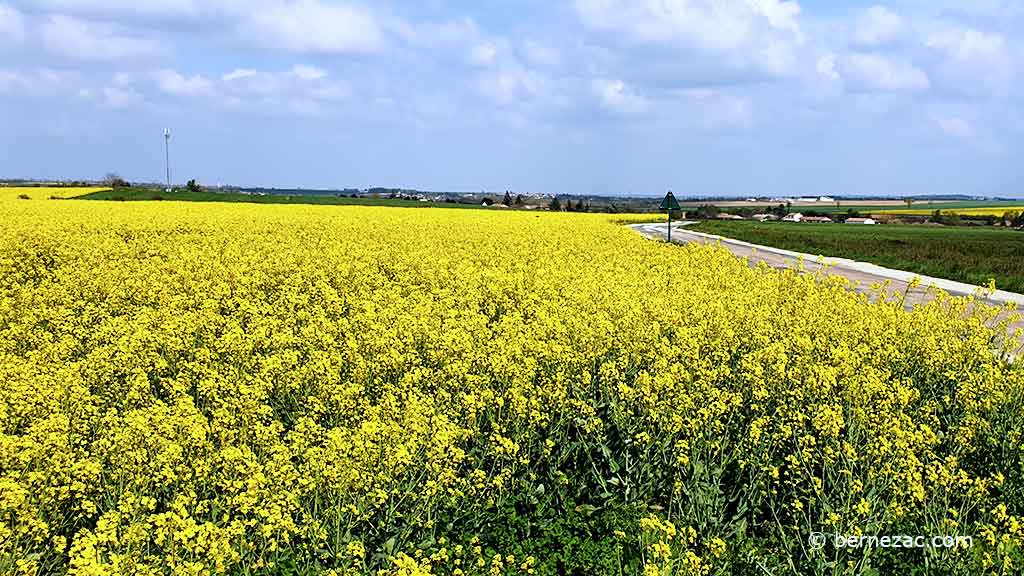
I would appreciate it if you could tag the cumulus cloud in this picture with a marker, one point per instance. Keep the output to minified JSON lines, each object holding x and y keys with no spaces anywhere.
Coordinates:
{"x":713,"y":110}
{"x":511,"y":86}
{"x":483,"y":54}
{"x":618,"y":97}
{"x":761,"y":35}
{"x":12,"y":26}
{"x":113,"y":97}
{"x":250,"y":84}
{"x":132,"y":9}
{"x":956,"y":127}
{"x":238,"y":74}
{"x":702,"y":64}
{"x":304,"y":72}
{"x":714,"y":25}
{"x":311,"y":26}
{"x":875,"y":73}
{"x":176,"y":84}
{"x":826,"y":67}
{"x":302,"y":89}
{"x":973,"y":62}
{"x":878,"y":26}
{"x":297,"y":26}
{"x":540,"y":54}
{"x":84,"y":40}
{"x":37,"y":82}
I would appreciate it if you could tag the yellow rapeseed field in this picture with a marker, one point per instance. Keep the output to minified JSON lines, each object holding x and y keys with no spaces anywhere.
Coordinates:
{"x":240,"y":389}
{"x":985,"y":211}
{"x":43,"y":192}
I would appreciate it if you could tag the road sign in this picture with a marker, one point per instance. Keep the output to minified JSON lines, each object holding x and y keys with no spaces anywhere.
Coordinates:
{"x":669,"y":203}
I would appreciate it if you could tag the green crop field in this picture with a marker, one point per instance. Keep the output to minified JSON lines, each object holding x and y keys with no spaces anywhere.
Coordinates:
{"x":996,"y":207}
{"x":973,"y":255}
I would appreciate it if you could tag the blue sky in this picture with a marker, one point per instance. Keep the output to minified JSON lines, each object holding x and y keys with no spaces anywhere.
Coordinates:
{"x":706,"y":97}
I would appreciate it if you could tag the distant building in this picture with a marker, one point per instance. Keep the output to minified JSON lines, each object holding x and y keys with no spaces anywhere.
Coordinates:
{"x":728,"y":217}
{"x":826,"y":199}
{"x":861,"y":221}
{"x":808,"y":200}
{"x":763,"y":217}
{"x":817,"y":219}
{"x":794,"y":217}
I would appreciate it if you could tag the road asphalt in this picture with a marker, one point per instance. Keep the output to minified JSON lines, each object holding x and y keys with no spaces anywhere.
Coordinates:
{"x":863,"y":274}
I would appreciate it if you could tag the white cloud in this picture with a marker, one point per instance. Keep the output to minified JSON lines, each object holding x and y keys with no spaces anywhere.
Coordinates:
{"x":312,"y":26}
{"x":967,"y":44}
{"x":714,"y":110}
{"x":38,"y":82}
{"x":238,"y":74}
{"x":973,"y":62}
{"x":248,"y":84}
{"x":956,"y":127}
{"x":712,"y":24}
{"x":875,"y":73}
{"x":616,"y":96}
{"x":512,"y":85}
{"x":89,"y":41}
{"x":302,"y":89}
{"x":176,"y":84}
{"x":12,"y":26}
{"x":483,"y":54}
{"x":296,"y":26}
{"x":628,"y":57}
{"x":826,"y":67}
{"x":540,"y":54}
{"x":114,"y":97}
{"x":878,"y":26}
{"x":133,"y":8}
{"x":763,"y":35}
{"x":303,"y":72}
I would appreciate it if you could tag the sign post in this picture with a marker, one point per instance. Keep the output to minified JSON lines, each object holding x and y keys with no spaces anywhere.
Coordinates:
{"x":669,"y":204}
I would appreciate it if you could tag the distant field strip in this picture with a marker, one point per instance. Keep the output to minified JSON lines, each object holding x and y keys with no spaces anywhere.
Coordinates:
{"x":44,"y":192}
{"x":985,"y":211}
{"x":873,"y":207}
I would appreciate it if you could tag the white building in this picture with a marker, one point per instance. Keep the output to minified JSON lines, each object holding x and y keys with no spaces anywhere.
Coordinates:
{"x":861,"y":221}
{"x":794,"y":217}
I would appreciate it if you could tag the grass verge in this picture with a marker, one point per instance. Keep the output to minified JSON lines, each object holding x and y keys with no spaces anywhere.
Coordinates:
{"x":973,"y":255}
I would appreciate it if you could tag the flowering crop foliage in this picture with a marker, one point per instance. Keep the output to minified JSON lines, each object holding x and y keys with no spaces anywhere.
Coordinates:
{"x":231,"y":389}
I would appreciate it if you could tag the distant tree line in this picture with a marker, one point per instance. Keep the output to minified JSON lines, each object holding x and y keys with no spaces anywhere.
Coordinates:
{"x":1010,"y":218}
{"x":114,"y":180}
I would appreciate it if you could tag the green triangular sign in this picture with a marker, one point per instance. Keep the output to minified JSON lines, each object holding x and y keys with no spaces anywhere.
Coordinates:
{"x":670,"y":203}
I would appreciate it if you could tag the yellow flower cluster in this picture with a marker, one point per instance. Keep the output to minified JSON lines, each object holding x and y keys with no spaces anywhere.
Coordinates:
{"x":241,"y":389}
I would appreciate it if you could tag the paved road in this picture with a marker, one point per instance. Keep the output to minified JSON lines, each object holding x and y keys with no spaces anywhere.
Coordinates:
{"x":863,"y":274}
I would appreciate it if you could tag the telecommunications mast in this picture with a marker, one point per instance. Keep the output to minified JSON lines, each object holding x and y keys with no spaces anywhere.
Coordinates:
{"x":167,"y":155}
